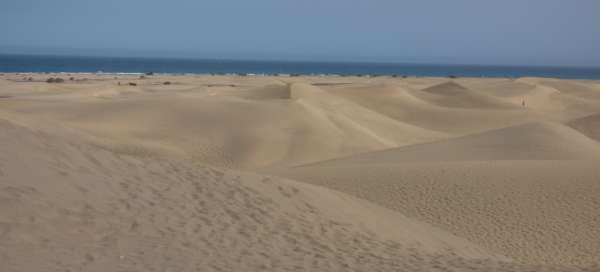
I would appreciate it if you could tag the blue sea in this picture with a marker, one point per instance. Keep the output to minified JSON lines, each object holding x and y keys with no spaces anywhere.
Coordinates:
{"x":73,"y":64}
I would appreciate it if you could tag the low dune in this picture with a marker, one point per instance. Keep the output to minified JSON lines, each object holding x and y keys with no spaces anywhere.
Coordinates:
{"x":272,"y":91}
{"x":295,"y":173}
{"x":232,"y":131}
{"x":589,"y":126}
{"x":453,"y":95}
{"x":535,"y":141}
{"x":575,"y":88}
{"x":498,"y":87}
{"x":410,"y":107}
{"x":528,"y":191}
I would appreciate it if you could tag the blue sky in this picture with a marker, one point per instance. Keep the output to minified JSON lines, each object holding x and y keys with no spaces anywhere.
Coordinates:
{"x":508,"y":32}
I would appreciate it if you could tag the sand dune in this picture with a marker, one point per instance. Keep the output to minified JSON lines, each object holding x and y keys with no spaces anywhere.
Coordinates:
{"x":96,"y":210}
{"x":521,"y":190}
{"x":406,"y":106}
{"x":274,"y":91}
{"x":573,"y":88}
{"x":559,"y":99}
{"x":499,"y":87}
{"x":282,"y":173}
{"x":536,"y":141}
{"x":533,"y":211}
{"x":589,"y":126}
{"x":453,"y":95}
{"x":229,"y":131}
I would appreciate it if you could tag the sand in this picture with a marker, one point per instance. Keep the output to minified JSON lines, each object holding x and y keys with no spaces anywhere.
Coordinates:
{"x":277,"y":173}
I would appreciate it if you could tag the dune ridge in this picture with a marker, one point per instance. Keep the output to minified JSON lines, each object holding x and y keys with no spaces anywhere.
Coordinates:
{"x":408,"y":106}
{"x":534,"y":141}
{"x":226,"y":131}
{"x":453,"y":95}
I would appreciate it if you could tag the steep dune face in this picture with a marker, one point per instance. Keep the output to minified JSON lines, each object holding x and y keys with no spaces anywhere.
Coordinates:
{"x":97,"y":210}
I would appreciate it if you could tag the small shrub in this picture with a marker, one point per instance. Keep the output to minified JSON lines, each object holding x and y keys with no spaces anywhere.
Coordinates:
{"x":55,"y":80}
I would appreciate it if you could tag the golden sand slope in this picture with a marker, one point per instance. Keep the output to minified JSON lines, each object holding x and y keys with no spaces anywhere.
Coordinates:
{"x":530,"y":192}
{"x":225,"y":129}
{"x":68,"y":205}
{"x":419,"y":108}
{"x":534,"y":141}
{"x":532,"y":211}
{"x":453,"y":95}
{"x":589,"y":125}
{"x":100,"y":175}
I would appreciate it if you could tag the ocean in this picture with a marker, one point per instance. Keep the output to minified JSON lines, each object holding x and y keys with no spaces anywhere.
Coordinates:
{"x":73,"y":64}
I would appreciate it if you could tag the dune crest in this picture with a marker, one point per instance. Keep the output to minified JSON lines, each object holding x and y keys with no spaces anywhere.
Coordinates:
{"x":454,"y":95}
{"x":535,"y":141}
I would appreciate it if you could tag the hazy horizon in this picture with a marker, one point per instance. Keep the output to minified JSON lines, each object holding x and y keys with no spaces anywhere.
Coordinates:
{"x":507,"y":33}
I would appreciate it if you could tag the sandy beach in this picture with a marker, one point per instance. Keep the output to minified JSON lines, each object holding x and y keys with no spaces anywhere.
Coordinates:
{"x":114,"y":172}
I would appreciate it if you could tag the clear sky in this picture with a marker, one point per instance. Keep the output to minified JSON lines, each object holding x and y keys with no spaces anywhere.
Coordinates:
{"x":520,"y":32}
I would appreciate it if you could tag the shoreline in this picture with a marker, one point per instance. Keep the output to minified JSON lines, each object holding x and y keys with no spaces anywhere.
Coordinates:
{"x":148,"y":76}
{"x":65,"y":64}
